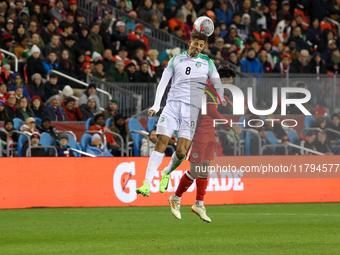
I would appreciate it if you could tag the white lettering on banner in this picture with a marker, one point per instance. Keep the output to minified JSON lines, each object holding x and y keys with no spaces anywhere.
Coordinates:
{"x":123,"y":186}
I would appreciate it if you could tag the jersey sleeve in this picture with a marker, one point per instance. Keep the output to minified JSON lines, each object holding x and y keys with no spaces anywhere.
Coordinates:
{"x":169,"y":69}
{"x":212,"y":73}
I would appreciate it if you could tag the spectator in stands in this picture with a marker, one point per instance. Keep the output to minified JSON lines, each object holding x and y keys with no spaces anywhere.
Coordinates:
{"x":18,"y":92}
{"x":139,"y":56}
{"x":292,"y":50}
{"x":86,"y":70}
{"x":334,"y":125}
{"x":9,"y":126}
{"x":335,"y":59}
{"x":97,"y":148}
{"x":306,"y":141}
{"x":111,"y":110}
{"x":327,"y":56}
{"x":21,"y":48}
{"x":83,"y":42}
{"x":3,"y":90}
{"x":66,"y":93}
{"x":280,"y":150}
{"x":18,"y":80}
{"x":34,"y":63}
{"x":50,"y":63}
{"x":96,"y":57}
{"x":46,"y":127}
{"x":273,"y":126}
{"x":35,"y":150}
{"x":99,"y":125}
{"x":23,"y":110}
{"x":118,"y":126}
{"x":51,"y":87}
{"x":284,"y":66}
{"x":54,"y":46}
{"x":89,"y":109}
{"x":36,"y":87}
{"x":146,"y":151}
{"x":99,"y":72}
{"x":141,"y":37}
{"x":271,"y":16}
{"x":154,"y":64}
{"x":3,"y":111}
{"x":71,"y":109}
{"x":159,"y":11}
{"x":170,"y":10}
{"x":322,"y":144}
{"x":144,"y":75}
{"x":300,"y":41}
{"x":58,"y":11}
{"x":254,"y":143}
{"x":317,"y":65}
{"x":267,"y":67}
{"x":130,"y":69}
{"x":118,"y":73}
{"x":251,"y":64}
{"x":30,"y":122}
{"x":62,"y":148}
{"x":122,"y":55}
{"x":314,"y":33}
{"x":223,"y":14}
{"x":35,"y":40}
{"x":145,"y":11}
{"x":10,"y":104}
{"x":285,"y":6}
{"x":53,"y":110}
{"x":320,"y":122}
{"x":318,"y":9}
{"x":233,"y":58}
{"x":96,"y":39}
{"x":301,"y":65}
{"x":107,"y":60}
{"x":178,"y":21}
{"x":48,"y":32}
{"x":283,"y":29}
{"x":90,"y":92}
{"x":37,"y":107}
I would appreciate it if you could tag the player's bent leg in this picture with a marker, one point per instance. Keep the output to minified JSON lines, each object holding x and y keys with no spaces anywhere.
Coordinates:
{"x":155,"y":161}
{"x":176,"y":159}
{"x":201,"y":183}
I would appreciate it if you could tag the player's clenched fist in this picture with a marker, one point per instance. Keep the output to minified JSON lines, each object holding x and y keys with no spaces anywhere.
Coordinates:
{"x":151,"y":112}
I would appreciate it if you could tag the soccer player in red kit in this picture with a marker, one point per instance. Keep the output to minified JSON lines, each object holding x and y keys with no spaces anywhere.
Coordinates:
{"x":202,"y":152}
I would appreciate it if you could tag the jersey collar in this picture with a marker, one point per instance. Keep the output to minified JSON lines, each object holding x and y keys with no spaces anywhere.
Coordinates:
{"x":186,"y":53}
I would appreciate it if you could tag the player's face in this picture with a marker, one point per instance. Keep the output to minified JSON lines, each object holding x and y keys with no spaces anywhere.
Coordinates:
{"x":195,"y":47}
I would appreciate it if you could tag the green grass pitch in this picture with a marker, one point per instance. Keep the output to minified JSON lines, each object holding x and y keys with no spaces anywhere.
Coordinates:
{"x":235,"y":229}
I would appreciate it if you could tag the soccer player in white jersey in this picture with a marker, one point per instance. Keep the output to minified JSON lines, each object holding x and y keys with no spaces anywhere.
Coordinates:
{"x":189,"y":72}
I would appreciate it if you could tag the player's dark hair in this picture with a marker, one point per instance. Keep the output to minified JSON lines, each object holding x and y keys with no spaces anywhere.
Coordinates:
{"x":197,"y":35}
{"x":225,"y":71}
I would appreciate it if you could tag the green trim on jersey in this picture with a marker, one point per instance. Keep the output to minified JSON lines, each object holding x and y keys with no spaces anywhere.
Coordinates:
{"x":171,"y":62}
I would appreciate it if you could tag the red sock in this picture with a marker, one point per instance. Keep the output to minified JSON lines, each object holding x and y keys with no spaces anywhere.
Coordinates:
{"x":201,"y":187}
{"x":184,"y":184}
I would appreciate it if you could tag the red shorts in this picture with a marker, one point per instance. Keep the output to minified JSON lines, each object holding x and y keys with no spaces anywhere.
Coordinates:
{"x":202,"y":149}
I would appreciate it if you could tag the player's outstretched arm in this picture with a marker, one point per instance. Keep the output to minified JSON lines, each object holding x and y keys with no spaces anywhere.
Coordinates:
{"x":159,"y":94}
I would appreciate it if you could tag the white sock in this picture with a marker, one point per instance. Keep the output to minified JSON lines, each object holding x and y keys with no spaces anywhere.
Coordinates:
{"x":174,"y":163}
{"x":155,"y":161}
{"x":176,"y":198}
{"x":199,"y":203}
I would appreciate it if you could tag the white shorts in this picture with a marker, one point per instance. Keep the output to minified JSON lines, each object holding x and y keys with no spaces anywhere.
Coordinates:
{"x":178,"y":116}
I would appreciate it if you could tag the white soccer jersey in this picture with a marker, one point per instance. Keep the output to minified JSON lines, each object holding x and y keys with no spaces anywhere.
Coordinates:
{"x":189,"y":77}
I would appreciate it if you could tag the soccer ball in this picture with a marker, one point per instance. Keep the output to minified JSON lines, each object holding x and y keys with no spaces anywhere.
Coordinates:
{"x":204,"y":25}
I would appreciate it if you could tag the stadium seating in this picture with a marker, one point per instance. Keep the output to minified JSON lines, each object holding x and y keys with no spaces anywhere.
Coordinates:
{"x":272,"y":138}
{"x":242,"y":127}
{"x":37,"y":121}
{"x":21,"y":141}
{"x":46,"y":140}
{"x":137,"y":138}
{"x":88,"y":124}
{"x":85,"y":140}
{"x":309,"y":122}
{"x":73,"y":144}
{"x":293,"y":136}
{"x":17,"y":123}
{"x":151,"y":125}
{"x":249,"y":136}
{"x":108,"y":122}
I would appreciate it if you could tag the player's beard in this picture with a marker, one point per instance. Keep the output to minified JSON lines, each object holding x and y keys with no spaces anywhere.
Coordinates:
{"x":194,"y":53}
